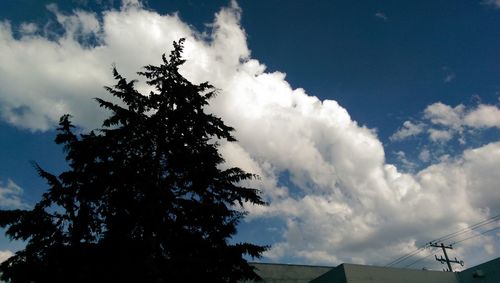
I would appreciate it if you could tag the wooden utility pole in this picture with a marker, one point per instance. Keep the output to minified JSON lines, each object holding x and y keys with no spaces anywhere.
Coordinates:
{"x":446,"y":259}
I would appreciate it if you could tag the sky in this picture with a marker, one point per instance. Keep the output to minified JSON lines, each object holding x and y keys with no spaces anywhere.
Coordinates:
{"x":374,"y":125}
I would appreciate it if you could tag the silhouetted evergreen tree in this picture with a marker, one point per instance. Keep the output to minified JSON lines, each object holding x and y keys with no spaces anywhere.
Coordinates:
{"x":145,"y":198}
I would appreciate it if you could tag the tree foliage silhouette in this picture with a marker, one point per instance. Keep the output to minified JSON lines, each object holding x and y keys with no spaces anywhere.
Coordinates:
{"x":144,"y":198}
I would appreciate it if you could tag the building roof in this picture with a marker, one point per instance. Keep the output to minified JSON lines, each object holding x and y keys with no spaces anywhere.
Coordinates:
{"x":355,"y":273}
{"x":289,"y":273}
{"x":488,"y":272}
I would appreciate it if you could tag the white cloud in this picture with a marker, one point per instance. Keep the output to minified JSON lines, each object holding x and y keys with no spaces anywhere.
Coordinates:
{"x":444,"y":122}
{"x":440,"y":135}
{"x":484,"y":116}
{"x":424,"y":155}
{"x":442,"y":114}
{"x":345,"y":203}
{"x":10,"y":196}
{"x":4,"y":255}
{"x":480,"y":165}
{"x":132,"y":3}
{"x":63,"y":76}
{"x":408,"y":130}
{"x":404,"y":161}
{"x":28,"y":28}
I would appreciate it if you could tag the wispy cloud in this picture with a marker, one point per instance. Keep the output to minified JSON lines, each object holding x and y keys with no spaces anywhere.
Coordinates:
{"x":10,"y":196}
{"x":381,"y":16}
{"x":404,"y":161}
{"x":449,"y":75}
{"x":493,"y":3}
{"x":408,"y":129}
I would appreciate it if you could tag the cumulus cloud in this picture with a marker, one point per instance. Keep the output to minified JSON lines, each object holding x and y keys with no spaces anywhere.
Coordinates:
{"x":482,"y":116}
{"x":443,"y":122}
{"x":485,"y":116}
{"x":442,"y":114}
{"x":10,"y":196}
{"x":342,"y":202}
{"x":63,"y":75}
{"x":440,"y":135}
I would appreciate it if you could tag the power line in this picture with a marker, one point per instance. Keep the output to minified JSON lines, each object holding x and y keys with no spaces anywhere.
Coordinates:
{"x":419,"y":260}
{"x":468,"y":229}
{"x":455,"y":234}
{"x":487,"y":231}
{"x":404,"y":257}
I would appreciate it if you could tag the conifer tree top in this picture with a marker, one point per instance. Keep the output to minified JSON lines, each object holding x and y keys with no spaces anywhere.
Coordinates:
{"x":145,"y":198}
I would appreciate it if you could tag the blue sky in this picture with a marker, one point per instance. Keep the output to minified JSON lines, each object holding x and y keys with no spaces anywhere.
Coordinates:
{"x":374,"y":125}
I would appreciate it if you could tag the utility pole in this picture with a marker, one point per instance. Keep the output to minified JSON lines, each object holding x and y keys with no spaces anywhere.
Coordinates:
{"x":446,"y":259}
